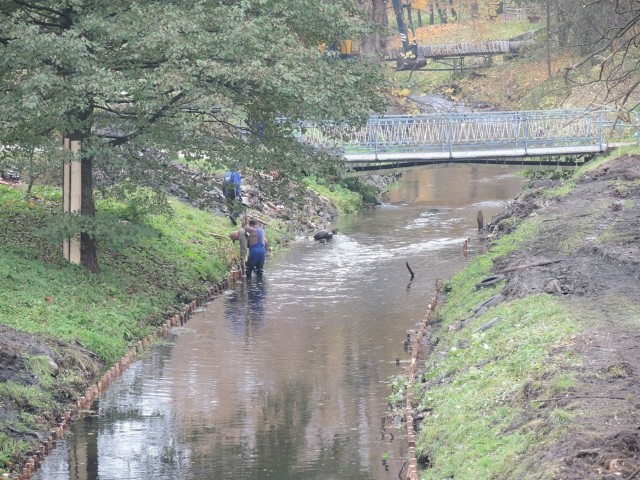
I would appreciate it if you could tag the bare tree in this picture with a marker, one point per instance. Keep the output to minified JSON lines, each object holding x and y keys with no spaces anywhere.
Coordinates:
{"x":607,"y":34}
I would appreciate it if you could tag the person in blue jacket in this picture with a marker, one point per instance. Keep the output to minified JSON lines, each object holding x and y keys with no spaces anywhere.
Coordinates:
{"x":231,"y":190}
{"x":257,"y":249}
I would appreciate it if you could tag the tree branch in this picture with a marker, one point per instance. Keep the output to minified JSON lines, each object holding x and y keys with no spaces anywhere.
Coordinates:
{"x":157,"y":115}
{"x":42,"y":8}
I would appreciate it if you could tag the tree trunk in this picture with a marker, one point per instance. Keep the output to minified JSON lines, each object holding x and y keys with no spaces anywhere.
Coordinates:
{"x":32,"y":169}
{"x":549,"y":39}
{"x":442,"y":13}
{"x":374,"y":46}
{"x":88,"y":247}
{"x":432,"y":15}
{"x":562,"y":25}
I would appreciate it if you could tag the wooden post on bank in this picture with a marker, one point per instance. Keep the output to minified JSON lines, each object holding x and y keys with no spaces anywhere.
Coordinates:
{"x":71,"y":196}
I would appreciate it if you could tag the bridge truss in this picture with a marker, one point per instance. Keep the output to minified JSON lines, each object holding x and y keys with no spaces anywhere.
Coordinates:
{"x":460,"y":136}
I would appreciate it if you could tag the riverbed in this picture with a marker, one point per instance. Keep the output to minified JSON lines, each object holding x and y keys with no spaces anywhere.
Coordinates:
{"x":286,"y":377}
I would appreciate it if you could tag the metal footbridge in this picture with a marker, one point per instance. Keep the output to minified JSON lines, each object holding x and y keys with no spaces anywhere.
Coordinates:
{"x":495,"y":137}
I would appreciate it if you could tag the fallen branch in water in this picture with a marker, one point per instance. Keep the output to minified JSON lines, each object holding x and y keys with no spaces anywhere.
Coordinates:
{"x":528,"y":265}
{"x":410,"y":271}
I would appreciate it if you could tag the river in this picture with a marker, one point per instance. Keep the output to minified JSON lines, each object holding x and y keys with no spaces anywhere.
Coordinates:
{"x":286,"y":378}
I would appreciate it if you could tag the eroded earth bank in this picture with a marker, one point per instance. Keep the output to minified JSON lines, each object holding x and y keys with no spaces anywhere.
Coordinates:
{"x":533,"y":369}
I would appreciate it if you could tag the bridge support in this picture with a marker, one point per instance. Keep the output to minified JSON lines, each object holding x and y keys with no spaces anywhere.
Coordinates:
{"x":71,"y":195}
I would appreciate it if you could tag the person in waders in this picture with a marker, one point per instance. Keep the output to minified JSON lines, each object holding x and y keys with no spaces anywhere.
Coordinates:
{"x":231,"y":190}
{"x":257,"y":249}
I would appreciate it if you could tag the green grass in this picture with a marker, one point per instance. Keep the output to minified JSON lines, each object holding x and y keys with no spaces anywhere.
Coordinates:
{"x":25,"y":397}
{"x":560,"y":191}
{"x":469,"y":432}
{"x":463,"y":296}
{"x":138,"y":286}
{"x":477,"y":425}
{"x":10,"y":450}
{"x":347,"y":201}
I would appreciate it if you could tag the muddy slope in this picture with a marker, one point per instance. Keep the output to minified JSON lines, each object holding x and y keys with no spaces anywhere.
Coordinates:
{"x":594,"y":233}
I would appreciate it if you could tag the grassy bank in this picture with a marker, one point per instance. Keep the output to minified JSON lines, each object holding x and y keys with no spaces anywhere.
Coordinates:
{"x":515,"y":390}
{"x":474,"y":389}
{"x":138,"y":286}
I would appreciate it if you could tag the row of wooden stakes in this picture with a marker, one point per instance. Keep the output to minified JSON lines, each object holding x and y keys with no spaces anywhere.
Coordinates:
{"x":412,"y":471}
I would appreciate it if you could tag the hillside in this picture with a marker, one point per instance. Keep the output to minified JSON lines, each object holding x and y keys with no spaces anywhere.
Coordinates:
{"x":530,"y":371}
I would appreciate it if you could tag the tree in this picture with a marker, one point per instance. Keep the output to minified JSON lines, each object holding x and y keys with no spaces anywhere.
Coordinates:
{"x":33,"y":160}
{"x":374,"y":44}
{"x":215,"y":78}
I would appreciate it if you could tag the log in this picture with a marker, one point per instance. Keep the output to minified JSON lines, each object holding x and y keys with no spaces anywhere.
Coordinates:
{"x":528,"y":265}
{"x":257,"y":216}
{"x":403,"y":64}
{"x":258,"y":219}
{"x":410,"y":271}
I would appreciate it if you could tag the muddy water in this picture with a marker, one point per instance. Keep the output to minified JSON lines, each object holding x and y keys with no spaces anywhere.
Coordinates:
{"x":285,"y":378}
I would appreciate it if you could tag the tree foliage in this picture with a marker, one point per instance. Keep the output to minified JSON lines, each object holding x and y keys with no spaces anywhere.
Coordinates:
{"x":216,"y":79}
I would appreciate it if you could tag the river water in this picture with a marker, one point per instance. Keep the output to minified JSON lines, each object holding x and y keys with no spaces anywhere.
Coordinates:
{"x":285,"y":378}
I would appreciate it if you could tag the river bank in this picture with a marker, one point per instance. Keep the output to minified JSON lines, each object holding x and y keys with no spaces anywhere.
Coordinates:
{"x":530,"y":370}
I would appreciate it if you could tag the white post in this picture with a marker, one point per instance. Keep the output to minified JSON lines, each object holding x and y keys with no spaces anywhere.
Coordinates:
{"x":71,"y":196}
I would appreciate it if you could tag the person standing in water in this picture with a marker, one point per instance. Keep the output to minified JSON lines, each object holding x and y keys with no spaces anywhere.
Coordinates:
{"x":257,"y":249}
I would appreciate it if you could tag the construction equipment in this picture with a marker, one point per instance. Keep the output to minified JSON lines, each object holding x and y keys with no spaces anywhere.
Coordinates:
{"x":409,"y":59}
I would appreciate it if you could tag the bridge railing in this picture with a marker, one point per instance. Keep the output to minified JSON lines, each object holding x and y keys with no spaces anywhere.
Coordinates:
{"x":455,"y":132}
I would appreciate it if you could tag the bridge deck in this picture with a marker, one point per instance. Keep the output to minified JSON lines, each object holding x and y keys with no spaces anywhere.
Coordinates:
{"x":373,"y":157}
{"x":467,"y":49}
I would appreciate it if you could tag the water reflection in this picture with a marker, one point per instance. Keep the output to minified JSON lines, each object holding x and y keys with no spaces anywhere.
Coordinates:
{"x":244,"y":306}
